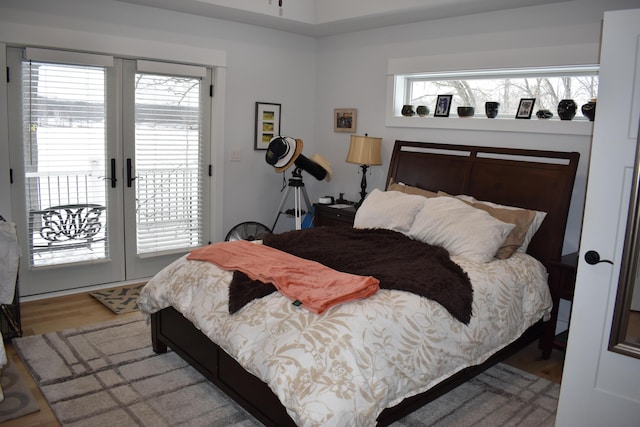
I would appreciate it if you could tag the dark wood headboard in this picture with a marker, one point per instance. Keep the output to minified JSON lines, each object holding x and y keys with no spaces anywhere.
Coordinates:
{"x":532,"y":179}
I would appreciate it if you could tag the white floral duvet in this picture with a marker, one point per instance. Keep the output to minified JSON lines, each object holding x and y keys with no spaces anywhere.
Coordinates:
{"x":343,"y":367}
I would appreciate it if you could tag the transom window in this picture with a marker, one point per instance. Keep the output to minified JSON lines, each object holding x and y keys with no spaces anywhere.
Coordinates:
{"x":507,"y":86}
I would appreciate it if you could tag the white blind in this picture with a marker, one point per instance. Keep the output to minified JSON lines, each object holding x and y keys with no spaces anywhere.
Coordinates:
{"x":168,"y":163}
{"x":64,"y":151}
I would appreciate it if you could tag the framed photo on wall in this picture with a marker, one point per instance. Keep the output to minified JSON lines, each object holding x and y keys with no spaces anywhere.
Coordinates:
{"x":443,"y":105}
{"x":525,"y":108}
{"x":344,"y":120}
{"x":267,"y":124}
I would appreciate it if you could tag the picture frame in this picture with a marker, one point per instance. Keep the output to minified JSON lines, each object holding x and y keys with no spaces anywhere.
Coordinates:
{"x":443,"y":106}
{"x":345,"y":120}
{"x":267,"y":124}
{"x":525,"y":108}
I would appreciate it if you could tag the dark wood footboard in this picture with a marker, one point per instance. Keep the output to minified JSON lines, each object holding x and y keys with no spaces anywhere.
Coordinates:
{"x":171,"y":329}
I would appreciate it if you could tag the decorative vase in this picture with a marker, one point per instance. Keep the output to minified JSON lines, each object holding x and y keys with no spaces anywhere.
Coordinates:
{"x":422,"y":110}
{"x":491,"y":109}
{"x":567,"y":109}
{"x":407,"y":110}
{"x":589,"y":109}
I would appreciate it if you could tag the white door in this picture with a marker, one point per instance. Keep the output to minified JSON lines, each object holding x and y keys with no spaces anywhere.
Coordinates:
{"x":64,"y":208}
{"x":109,"y":164}
{"x":166,"y":179}
{"x":599,"y":387}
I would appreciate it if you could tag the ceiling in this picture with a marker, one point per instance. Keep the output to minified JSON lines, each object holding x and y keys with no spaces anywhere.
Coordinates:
{"x":319,"y":18}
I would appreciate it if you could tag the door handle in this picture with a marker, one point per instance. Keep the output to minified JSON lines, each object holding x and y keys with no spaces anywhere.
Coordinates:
{"x":593,"y":257}
{"x":130,"y":177}
{"x":113,"y":178}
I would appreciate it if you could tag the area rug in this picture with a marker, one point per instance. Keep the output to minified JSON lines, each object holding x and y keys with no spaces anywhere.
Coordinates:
{"x":119,"y":300}
{"x":18,"y":400}
{"x":107,"y":374}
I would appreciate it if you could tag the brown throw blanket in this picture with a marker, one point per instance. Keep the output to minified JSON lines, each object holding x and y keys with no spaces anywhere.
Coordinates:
{"x":399,"y":263}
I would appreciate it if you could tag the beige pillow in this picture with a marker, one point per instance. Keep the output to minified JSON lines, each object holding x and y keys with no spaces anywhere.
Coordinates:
{"x":522,"y":220}
{"x":408,"y":189}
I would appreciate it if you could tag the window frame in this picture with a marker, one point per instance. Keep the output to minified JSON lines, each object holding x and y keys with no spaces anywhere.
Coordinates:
{"x":502,"y":75}
{"x":399,"y":87}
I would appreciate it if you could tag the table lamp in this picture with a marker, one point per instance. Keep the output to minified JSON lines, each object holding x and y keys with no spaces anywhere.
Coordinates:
{"x":364,"y":151}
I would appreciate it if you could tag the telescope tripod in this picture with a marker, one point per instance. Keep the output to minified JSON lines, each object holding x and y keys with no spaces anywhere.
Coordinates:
{"x":299,"y":191}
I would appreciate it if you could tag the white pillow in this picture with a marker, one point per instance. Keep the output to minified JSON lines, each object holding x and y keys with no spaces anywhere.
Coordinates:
{"x":533,"y":228}
{"x":392,"y":210}
{"x":459,"y":228}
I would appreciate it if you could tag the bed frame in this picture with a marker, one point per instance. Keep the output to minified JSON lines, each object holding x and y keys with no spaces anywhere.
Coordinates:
{"x":533,"y":179}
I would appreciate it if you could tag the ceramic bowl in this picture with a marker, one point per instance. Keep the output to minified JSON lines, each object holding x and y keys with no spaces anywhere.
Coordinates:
{"x":466,"y":111}
{"x":544,"y":114}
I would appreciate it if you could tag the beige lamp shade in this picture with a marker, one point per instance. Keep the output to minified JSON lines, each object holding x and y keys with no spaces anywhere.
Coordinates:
{"x":364,"y":150}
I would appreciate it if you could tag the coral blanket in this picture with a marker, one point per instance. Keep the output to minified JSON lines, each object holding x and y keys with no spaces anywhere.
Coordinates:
{"x":315,"y":286}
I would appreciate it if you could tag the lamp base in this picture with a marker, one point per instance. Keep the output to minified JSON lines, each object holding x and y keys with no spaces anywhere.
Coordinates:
{"x":363,"y":185}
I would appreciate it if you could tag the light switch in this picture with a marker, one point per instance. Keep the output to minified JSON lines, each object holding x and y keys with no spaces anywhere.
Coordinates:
{"x":235,"y":154}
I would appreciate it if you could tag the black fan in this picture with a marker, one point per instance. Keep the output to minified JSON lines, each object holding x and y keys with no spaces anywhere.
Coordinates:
{"x":249,"y":230}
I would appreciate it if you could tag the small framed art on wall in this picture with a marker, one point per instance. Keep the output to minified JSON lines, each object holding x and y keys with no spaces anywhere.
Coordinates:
{"x":344,"y":120}
{"x":267,"y":124}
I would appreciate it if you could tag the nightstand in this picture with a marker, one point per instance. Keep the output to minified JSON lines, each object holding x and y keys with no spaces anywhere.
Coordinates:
{"x":327,"y":215}
{"x":562,"y":281}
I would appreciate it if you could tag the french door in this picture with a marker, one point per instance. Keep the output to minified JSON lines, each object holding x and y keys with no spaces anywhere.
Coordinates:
{"x":109,"y":161}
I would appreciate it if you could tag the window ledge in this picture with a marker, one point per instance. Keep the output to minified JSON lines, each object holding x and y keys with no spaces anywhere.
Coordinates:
{"x":534,"y":125}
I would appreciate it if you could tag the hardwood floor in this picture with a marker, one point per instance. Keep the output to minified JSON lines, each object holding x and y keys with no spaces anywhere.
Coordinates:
{"x":40,"y":317}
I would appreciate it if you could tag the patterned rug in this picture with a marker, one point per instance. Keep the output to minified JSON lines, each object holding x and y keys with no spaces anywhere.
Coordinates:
{"x":119,"y":300}
{"x":18,"y":400}
{"x":107,"y":374}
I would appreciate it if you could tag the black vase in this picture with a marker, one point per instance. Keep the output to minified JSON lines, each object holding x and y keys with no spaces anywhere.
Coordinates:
{"x":567,"y":109}
{"x":589,"y":110}
{"x":491,"y":109}
{"x":407,"y":110}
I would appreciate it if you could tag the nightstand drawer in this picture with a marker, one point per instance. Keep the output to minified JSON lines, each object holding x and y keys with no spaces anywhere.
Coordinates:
{"x":327,"y":215}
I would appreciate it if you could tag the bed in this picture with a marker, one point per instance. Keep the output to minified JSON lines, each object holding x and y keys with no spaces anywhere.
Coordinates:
{"x":342,"y":367}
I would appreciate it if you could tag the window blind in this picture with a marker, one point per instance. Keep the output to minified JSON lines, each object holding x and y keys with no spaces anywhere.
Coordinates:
{"x":64,"y":150}
{"x":168,"y":163}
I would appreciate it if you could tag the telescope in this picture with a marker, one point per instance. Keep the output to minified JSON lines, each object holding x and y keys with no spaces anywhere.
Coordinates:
{"x":284,"y":151}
